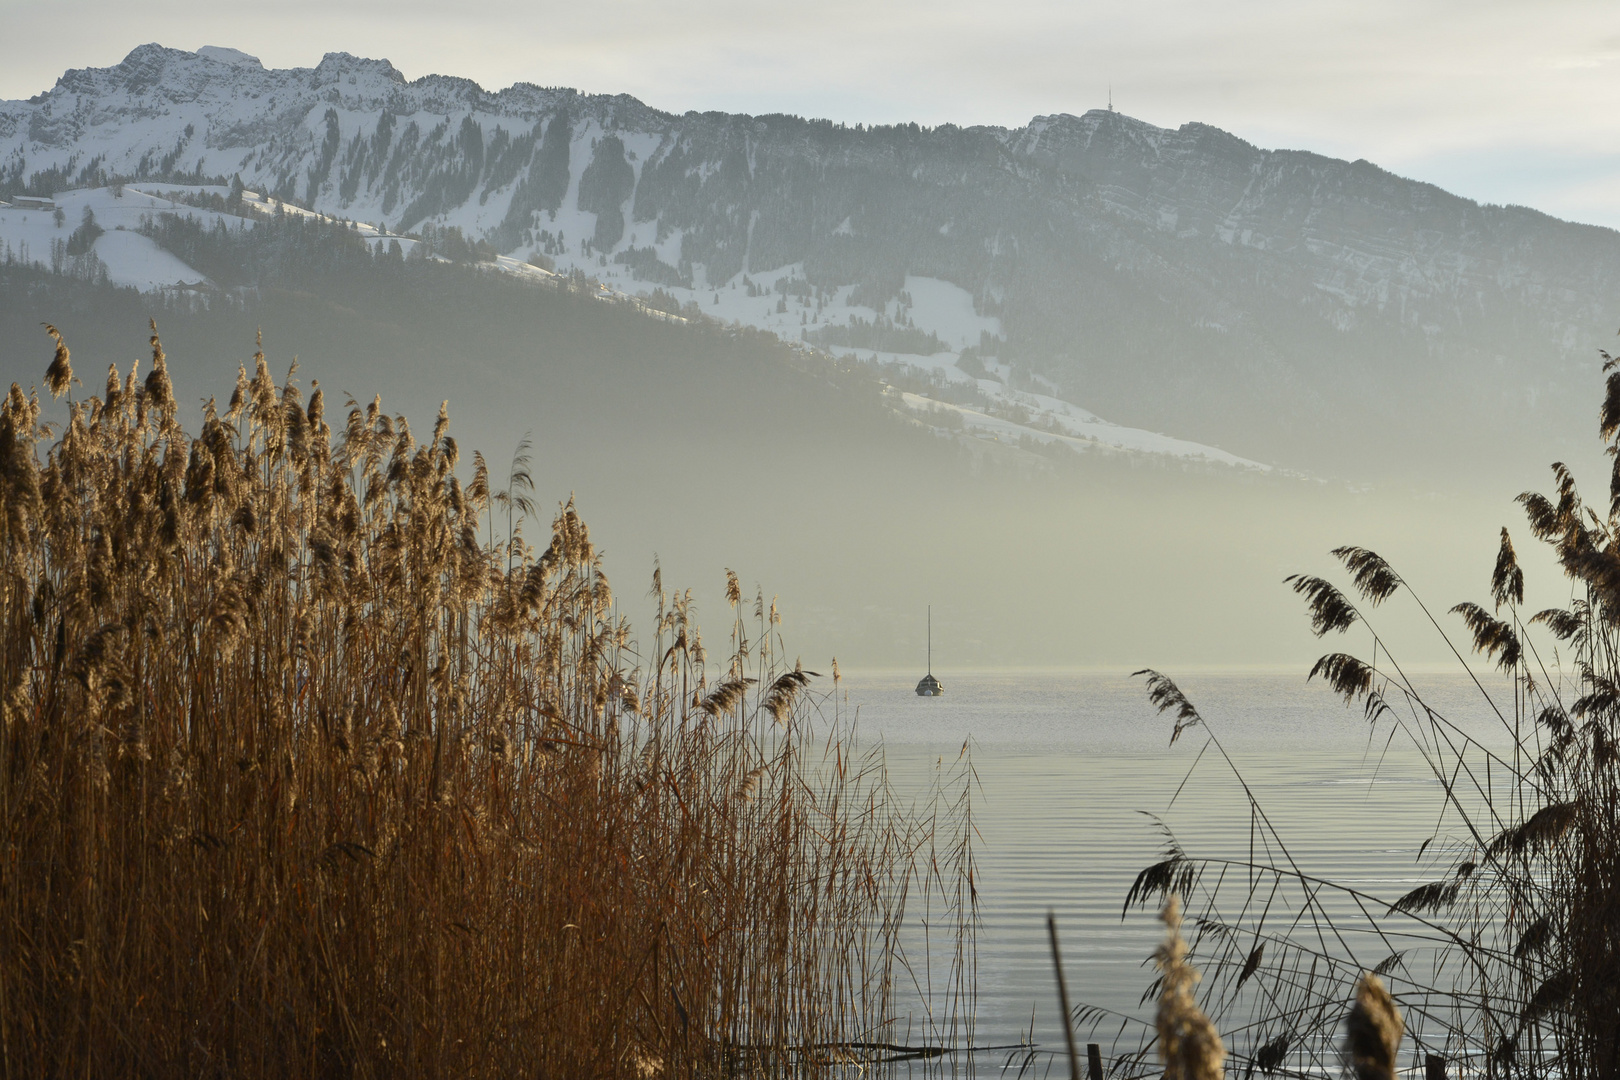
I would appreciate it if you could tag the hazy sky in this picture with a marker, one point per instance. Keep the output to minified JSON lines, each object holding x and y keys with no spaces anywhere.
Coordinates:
{"x":1503,"y":102}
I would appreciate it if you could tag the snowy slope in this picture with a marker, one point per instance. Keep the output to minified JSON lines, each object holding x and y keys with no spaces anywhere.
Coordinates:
{"x":126,"y":257}
{"x":1006,"y":415}
{"x":132,"y":259}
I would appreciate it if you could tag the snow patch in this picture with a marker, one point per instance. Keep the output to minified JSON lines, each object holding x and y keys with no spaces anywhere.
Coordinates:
{"x":1082,"y":435}
{"x":235,"y":57}
{"x":947,"y":310}
{"x":136,"y":260}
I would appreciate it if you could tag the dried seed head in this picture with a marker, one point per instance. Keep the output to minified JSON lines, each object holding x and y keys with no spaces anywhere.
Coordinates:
{"x":1189,"y":1045}
{"x":239,"y":396}
{"x":159,"y":390}
{"x":59,"y":376}
{"x":176,"y":776}
{"x":1373,"y":1031}
{"x":750,"y":784}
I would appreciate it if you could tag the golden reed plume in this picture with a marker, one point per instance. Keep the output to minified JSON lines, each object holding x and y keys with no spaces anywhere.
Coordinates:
{"x":1189,"y":1045}
{"x":1373,"y":1032}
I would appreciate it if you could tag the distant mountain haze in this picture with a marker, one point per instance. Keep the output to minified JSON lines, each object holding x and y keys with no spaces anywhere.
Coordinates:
{"x":1398,"y":361}
{"x":1290,"y":308}
{"x":707,"y":447}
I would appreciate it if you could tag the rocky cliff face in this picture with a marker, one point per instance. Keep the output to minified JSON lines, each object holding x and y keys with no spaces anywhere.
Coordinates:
{"x":1278,"y":303}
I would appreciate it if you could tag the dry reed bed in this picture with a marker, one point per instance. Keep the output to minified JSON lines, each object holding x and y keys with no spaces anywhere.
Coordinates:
{"x":1507,"y":962}
{"x":311,"y":766}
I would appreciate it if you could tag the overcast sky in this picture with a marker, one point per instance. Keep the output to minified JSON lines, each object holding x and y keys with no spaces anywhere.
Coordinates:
{"x":1502,"y":102}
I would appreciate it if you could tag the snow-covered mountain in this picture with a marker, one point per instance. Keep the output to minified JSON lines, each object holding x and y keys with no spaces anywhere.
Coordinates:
{"x":1281,"y":304}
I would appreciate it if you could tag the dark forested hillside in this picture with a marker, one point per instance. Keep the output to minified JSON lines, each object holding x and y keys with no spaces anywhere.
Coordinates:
{"x":508,"y":355}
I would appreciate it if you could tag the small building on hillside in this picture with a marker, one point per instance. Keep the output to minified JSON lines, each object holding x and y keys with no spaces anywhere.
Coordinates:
{"x":32,"y":202}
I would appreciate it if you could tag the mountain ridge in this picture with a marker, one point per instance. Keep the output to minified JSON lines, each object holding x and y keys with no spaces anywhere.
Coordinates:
{"x":1285,"y":304}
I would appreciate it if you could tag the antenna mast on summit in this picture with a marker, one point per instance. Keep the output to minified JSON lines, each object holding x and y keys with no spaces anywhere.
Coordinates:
{"x":1110,"y":97}
{"x":930,"y":639}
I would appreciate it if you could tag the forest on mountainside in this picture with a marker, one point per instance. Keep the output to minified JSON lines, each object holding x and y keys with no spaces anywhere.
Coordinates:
{"x":700,"y":443}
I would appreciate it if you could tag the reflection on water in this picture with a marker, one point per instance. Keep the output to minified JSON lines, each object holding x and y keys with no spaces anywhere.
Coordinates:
{"x":1071,"y":767}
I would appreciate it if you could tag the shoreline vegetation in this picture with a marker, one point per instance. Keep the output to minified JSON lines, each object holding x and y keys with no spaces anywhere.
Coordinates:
{"x":1506,"y":963}
{"x":312,"y":765}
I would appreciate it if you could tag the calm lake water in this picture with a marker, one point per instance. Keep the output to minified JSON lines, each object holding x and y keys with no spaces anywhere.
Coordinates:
{"x":1069,"y":765}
